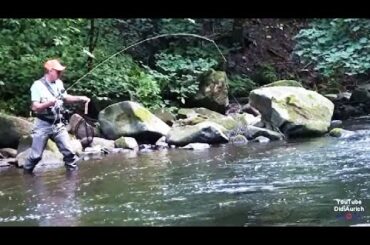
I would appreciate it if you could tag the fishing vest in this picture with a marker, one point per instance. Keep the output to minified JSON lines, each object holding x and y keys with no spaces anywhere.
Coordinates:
{"x":53,"y":114}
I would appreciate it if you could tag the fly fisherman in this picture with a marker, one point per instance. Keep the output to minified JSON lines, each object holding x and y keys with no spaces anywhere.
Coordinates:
{"x":47,"y":96}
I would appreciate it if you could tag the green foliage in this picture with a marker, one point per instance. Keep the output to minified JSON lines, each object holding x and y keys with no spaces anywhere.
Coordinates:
{"x":178,"y":75}
{"x":121,"y":79}
{"x":265,"y":74}
{"x":179,"y":25}
{"x":240,"y":85}
{"x":336,"y":47}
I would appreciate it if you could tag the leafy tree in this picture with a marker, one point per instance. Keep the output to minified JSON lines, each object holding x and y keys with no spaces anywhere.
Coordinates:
{"x":335,"y":47}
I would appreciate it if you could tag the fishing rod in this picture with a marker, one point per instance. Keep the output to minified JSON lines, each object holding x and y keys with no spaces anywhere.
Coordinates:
{"x":145,"y":40}
{"x":138,"y":43}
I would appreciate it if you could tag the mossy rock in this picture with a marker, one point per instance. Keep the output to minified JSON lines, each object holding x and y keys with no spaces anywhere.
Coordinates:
{"x":12,"y":129}
{"x":213,"y":91}
{"x":131,"y":119}
{"x":295,"y":111}
{"x":194,"y":116}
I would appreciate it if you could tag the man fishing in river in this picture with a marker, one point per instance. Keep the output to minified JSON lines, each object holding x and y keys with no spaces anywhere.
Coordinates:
{"x":48,"y":96}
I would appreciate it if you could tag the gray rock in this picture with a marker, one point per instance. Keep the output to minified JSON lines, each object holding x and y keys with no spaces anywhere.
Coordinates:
{"x":120,"y":150}
{"x":253,"y":132}
{"x":196,"y":146}
{"x":8,"y":152}
{"x":103,"y":143}
{"x":294,"y":110}
{"x":161,"y":143}
{"x":261,"y":139}
{"x":9,"y":161}
{"x":4,"y":164}
{"x":341,"y":133}
{"x":126,"y":143}
{"x":146,"y":148}
{"x":93,"y":153}
{"x":238,"y":139}
{"x":205,"y":132}
{"x":336,"y":124}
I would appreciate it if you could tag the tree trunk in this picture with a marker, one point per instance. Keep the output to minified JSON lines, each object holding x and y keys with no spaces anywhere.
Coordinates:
{"x":238,"y":32}
{"x":207,"y":27}
{"x":93,"y":38}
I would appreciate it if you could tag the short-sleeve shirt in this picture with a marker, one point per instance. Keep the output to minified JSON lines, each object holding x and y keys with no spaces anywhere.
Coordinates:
{"x":40,"y":93}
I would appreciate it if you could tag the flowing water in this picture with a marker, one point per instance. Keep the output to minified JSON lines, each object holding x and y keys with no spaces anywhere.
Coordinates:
{"x":295,"y":183}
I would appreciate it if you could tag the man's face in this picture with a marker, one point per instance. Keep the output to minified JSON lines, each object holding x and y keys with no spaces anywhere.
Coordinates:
{"x":54,"y":74}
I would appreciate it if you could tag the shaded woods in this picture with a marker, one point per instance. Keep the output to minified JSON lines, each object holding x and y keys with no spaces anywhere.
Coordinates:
{"x":326,"y":55}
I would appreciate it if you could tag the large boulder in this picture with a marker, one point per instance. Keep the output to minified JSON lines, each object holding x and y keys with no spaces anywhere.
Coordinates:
{"x":132,"y":120}
{"x":205,"y":132}
{"x":294,"y":111}
{"x":12,"y":129}
{"x":213,"y":92}
{"x":102,"y":143}
{"x":49,"y":158}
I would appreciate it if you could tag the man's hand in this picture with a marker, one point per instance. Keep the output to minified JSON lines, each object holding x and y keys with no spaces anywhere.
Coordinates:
{"x":51,"y":102}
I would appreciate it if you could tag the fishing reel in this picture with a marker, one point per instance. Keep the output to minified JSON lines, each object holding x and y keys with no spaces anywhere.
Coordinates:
{"x":60,"y":102}
{"x":58,"y":109}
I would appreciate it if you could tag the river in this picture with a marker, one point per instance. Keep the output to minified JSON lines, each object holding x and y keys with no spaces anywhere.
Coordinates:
{"x":295,"y":183}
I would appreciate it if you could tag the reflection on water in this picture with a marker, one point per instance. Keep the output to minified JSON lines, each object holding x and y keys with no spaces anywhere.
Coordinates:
{"x":280,"y":183}
{"x":52,"y":200}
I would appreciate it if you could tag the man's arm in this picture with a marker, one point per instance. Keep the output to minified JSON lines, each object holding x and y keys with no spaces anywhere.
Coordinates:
{"x":75,"y":99}
{"x":39,"y":107}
